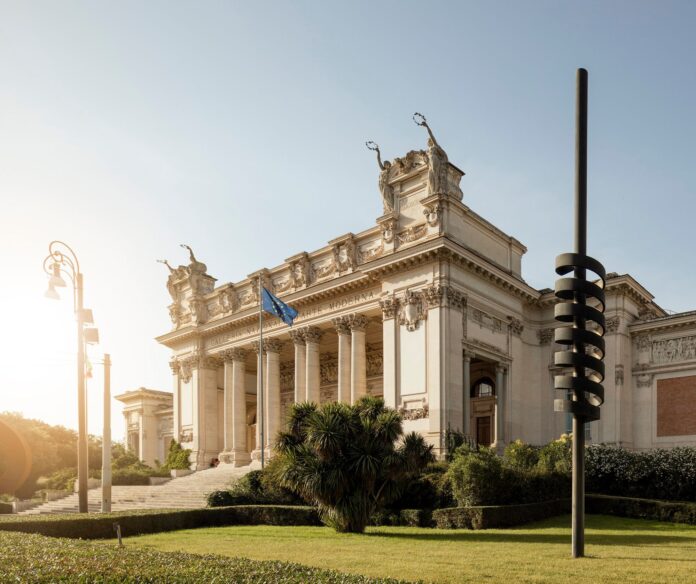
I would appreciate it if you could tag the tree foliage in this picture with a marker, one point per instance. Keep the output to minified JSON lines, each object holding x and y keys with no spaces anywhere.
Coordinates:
{"x":348,"y":460}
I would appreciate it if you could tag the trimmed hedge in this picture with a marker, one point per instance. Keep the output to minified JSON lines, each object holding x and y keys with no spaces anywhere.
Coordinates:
{"x":672,"y":511}
{"x":5,"y":507}
{"x":34,"y":558}
{"x":486,"y":517}
{"x":404,"y":518}
{"x":101,"y":525}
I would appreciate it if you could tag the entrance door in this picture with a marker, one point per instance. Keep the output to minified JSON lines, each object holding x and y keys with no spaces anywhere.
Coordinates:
{"x":483,"y":430}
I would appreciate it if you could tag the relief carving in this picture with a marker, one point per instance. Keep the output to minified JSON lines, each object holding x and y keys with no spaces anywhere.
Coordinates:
{"x":412,"y":311}
{"x":671,"y":350}
{"x":485,"y":320}
{"x":545,"y":336}
{"x":516,"y":326}
{"x":413,"y":233}
{"x":389,"y":306}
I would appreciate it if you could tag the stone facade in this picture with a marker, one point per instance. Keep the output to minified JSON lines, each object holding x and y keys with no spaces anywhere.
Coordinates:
{"x":429,"y":310}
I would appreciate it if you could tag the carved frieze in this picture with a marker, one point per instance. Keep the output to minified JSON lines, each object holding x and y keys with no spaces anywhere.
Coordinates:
{"x":411,"y":234}
{"x":287,"y":376}
{"x":375,"y":361}
{"x":643,"y":342}
{"x":324,"y":269}
{"x":370,"y":251}
{"x":328,"y":368}
{"x":415,"y":413}
{"x":485,"y":320}
{"x":672,"y":350}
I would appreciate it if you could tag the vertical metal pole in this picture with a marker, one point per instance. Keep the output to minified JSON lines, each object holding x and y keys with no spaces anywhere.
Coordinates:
{"x":106,"y":438}
{"x":82,"y":461}
{"x":260,"y":377}
{"x":578,"y":495}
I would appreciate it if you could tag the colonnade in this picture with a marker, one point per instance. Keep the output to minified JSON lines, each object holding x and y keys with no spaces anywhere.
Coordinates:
{"x":352,"y":382}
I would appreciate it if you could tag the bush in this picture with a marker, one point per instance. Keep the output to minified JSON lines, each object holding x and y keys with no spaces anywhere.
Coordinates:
{"x":5,"y":508}
{"x":101,"y":525}
{"x":481,"y":478}
{"x":556,"y":456}
{"x":521,"y":456}
{"x":641,"y":508}
{"x":130,"y":476}
{"x":403,"y":518}
{"x":498,"y":516}
{"x":668,"y":474}
{"x":430,"y":490}
{"x":177,"y":457}
{"x":78,"y":561}
{"x":256,"y":488}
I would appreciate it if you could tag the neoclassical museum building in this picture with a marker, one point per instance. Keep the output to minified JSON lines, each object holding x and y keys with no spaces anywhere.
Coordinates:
{"x":426,"y":308}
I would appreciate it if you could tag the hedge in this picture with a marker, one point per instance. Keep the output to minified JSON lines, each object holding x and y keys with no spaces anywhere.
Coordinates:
{"x":486,"y":517}
{"x":672,"y":511}
{"x":101,"y":525}
{"x":5,"y":508}
{"x":34,"y":558}
{"x":404,"y":518}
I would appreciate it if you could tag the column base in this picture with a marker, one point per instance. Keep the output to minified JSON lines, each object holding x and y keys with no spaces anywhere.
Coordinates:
{"x":256,"y":454}
{"x":499,"y":447}
{"x":235,"y":457}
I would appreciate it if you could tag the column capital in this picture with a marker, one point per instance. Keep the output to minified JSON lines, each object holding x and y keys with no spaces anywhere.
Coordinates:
{"x":297,"y":336}
{"x":390,"y":307}
{"x":255,"y":347}
{"x":342,"y":325}
{"x":357,"y":322}
{"x":469,"y":355}
{"x":272,"y":345}
{"x":235,"y":354}
{"x":500,"y":369}
{"x":175,"y":366}
{"x":312,"y":334}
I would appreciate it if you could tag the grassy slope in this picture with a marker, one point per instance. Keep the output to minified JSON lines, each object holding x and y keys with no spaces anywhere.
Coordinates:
{"x":618,"y":550}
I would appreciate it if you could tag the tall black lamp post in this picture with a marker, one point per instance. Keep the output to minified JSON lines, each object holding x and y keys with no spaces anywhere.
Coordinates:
{"x":583,"y":346}
{"x":61,"y":260}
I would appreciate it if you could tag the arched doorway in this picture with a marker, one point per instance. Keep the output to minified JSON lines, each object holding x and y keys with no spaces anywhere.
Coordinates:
{"x":482,"y":393}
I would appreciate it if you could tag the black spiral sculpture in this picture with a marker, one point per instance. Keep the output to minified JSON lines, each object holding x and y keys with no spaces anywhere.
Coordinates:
{"x":583,"y":347}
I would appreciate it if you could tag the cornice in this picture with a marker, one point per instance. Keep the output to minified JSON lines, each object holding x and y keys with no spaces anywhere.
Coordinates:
{"x":683,"y":320}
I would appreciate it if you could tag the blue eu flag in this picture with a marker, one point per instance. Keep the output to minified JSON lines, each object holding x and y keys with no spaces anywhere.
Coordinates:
{"x":275,"y":306}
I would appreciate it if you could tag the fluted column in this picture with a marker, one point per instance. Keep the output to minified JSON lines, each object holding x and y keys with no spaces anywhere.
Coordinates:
{"x":273,"y":347}
{"x":256,"y":454}
{"x":499,"y":442}
{"x":235,"y":426}
{"x":467,"y":393}
{"x":176,"y":402}
{"x":344,"y":358}
{"x":358,"y":361}
{"x":298,"y":340}
{"x":312,"y":336}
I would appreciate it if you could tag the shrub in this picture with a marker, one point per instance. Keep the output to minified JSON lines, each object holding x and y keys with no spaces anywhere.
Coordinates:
{"x":101,"y":525}
{"x":642,"y":508}
{"x":177,"y":457}
{"x":78,"y":561}
{"x":350,"y":460}
{"x":130,"y":476}
{"x":556,"y":456}
{"x":521,"y":456}
{"x":668,"y":474}
{"x":487,"y":517}
{"x":5,"y":508}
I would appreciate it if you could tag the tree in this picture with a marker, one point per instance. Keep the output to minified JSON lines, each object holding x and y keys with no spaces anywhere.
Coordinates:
{"x":348,"y":460}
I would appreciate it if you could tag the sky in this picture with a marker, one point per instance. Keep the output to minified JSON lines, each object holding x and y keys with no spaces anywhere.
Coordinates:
{"x":128,"y":128}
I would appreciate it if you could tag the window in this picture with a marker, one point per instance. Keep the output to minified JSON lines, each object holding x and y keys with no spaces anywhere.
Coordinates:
{"x":483,"y":388}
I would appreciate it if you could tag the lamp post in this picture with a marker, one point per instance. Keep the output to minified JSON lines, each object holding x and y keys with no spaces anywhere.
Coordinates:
{"x":61,"y":259}
{"x":106,"y":439}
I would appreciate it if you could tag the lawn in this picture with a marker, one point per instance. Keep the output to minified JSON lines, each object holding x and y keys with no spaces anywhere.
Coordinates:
{"x":618,"y":550}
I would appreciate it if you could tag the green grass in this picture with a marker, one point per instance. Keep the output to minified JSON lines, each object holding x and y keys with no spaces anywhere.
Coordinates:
{"x":617,"y":549}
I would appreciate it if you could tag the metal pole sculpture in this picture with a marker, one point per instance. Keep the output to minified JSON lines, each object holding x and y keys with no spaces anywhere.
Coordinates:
{"x":106,"y":439}
{"x":583,"y":346}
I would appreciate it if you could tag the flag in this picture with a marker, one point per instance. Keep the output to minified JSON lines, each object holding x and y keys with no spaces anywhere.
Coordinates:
{"x":275,"y":306}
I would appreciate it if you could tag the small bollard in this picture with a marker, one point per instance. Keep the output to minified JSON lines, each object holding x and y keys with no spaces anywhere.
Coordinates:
{"x":117,"y":529}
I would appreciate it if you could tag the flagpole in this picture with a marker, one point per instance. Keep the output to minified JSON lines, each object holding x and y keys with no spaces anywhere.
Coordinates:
{"x":260,"y":376}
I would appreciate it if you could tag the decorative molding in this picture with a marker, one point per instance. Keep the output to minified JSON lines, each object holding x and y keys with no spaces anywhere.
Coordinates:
{"x":644,"y":380}
{"x":344,"y":255}
{"x":199,"y":310}
{"x":432,"y":214}
{"x":297,"y":336}
{"x":365,"y":254}
{"x":545,"y":335}
{"x":618,"y":375}
{"x":516,"y":326}
{"x":612,"y":324}
{"x":342,"y":325}
{"x":435,"y":295}
{"x":415,"y":413}
{"x":272,"y":345}
{"x":388,"y":230}
{"x":389,"y":306}
{"x":312,"y":334}
{"x":175,"y":366}
{"x":643,"y":342}
{"x":412,"y":311}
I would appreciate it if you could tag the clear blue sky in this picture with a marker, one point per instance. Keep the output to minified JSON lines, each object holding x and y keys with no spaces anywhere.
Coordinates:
{"x":127,"y":128}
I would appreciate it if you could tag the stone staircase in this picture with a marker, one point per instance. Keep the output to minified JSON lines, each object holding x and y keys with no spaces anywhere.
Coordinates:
{"x":187,"y":492}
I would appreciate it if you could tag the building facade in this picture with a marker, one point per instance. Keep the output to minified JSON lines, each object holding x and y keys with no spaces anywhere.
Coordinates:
{"x":427,"y":309}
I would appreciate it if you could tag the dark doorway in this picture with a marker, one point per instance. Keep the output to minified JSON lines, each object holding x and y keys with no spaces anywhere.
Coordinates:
{"x":483,"y":430}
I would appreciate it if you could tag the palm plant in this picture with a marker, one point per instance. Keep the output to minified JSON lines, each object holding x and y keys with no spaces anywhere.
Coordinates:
{"x":348,"y":460}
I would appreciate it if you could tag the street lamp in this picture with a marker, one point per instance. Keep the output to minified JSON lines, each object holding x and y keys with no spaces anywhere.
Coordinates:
{"x":61,"y":260}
